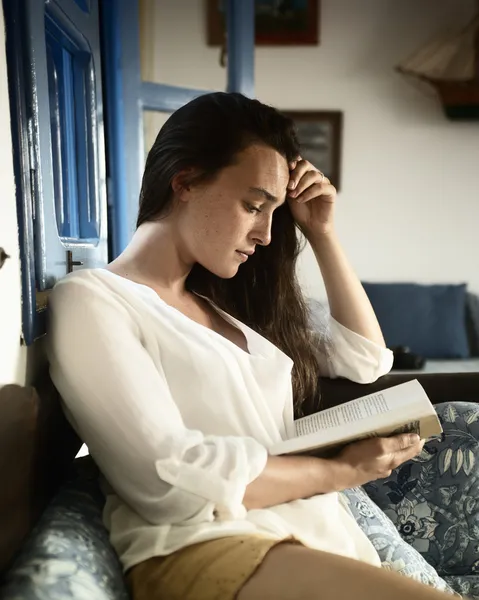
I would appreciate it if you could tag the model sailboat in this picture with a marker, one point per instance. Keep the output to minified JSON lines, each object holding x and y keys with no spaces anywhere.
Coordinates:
{"x":451,"y":65}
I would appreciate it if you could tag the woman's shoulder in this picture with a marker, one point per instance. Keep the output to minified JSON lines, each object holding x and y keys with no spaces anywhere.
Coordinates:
{"x":96,"y":279}
{"x":98,"y":289}
{"x":91,"y":304}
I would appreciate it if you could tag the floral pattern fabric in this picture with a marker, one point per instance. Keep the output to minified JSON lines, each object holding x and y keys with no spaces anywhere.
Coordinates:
{"x":395,"y":553}
{"x":433,"y":500}
{"x":68,"y":556}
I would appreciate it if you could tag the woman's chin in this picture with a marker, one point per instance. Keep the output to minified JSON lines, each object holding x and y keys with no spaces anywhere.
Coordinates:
{"x":229,"y":273}
{"x":226,"y":271}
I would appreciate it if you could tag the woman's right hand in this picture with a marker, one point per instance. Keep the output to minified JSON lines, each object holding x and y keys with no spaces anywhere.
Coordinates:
{"x":375,"y":458}
{"x":287,"y":478}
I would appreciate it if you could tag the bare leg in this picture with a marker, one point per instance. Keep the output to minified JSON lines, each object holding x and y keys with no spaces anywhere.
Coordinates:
{"x":293,"y":572}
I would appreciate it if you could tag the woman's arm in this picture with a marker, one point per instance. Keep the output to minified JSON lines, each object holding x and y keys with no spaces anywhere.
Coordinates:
{"x":312,"y":200}
{"x":287,"y":478}
{"x":347,"y":299}
{"x":122,"y":407}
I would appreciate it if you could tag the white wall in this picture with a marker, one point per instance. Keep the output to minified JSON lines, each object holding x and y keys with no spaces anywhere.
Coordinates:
{"x":18,"y":364}
{"x":12,"y":355}
{"x":409,"y":204}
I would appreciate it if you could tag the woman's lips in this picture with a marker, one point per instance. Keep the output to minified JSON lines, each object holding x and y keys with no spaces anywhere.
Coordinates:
{"x":244,"y":257}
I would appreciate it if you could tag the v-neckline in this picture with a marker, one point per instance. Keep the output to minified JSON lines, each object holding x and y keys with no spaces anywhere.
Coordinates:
{"x":231,"y":320}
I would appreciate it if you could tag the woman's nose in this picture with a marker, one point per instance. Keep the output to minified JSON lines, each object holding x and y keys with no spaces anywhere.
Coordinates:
{"x":262,"y":235}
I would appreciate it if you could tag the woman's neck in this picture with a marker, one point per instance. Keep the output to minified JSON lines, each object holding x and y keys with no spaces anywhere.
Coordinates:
{"x":154,"y":257}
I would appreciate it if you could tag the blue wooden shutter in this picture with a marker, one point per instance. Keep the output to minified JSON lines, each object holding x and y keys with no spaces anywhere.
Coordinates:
{"x":66,"y":123}
{"x":54,"y":66}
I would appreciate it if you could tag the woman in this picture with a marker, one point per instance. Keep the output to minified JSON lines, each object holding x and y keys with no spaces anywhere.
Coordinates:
{"x":176,"y":368}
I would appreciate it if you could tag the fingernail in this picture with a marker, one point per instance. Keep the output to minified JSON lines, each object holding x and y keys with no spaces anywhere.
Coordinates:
{"x":292,"y":194}
{"x":291,"y":185}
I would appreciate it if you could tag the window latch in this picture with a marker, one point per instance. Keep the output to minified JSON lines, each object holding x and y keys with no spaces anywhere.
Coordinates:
{"x":72,"y":263}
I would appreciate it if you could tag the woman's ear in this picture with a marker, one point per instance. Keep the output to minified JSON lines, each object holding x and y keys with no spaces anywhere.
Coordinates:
{"x":179,"y":185}
{"x":182,"y":182}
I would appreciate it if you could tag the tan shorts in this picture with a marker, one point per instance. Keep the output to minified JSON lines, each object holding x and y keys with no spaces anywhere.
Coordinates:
{"x":214,"y":570}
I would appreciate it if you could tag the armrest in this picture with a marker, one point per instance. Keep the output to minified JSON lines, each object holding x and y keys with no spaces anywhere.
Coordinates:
{"x":440,"y":387}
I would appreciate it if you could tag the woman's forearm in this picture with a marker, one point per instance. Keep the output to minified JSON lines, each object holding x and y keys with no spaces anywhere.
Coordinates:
{"x":287,"y":478}
{"x":347,"y":299}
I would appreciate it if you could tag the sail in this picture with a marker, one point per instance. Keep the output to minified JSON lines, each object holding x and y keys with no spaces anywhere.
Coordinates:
{"x":449,"y":57}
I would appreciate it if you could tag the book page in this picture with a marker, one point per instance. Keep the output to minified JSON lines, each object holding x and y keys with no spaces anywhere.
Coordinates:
{"x":411,"y":427}
{"x":354,"y":411}
{"x":404,"y":408}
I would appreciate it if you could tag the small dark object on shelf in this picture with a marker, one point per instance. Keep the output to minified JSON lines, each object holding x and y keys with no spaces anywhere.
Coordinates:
{"x":405,"y":359}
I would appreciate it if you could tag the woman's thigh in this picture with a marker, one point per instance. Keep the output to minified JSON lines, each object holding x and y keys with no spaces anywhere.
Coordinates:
{"x":213,"y":570}
{"x":293,"y":572}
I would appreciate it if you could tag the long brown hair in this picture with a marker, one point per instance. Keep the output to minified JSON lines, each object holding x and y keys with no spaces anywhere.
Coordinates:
{"x":207,"y":134}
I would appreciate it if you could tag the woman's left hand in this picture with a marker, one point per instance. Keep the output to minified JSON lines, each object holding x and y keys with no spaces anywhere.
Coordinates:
{"x":311,"y":197}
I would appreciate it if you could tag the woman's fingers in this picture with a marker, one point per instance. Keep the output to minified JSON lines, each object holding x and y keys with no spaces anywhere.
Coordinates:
{"x":318,"y":189}
{"x":307,"y":180}
{"x":303,"y":176}
{"x":404,"y":455}
{"x":301,"y":168}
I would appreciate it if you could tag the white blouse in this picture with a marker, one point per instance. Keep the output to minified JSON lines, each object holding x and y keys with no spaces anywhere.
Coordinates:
{"x":179,"y":419}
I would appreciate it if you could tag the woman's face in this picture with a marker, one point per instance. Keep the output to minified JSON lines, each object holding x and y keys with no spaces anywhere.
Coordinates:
{"x":221,"y":222}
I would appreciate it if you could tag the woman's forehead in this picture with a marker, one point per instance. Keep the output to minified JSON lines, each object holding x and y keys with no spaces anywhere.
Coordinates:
{"x":264,"y":166}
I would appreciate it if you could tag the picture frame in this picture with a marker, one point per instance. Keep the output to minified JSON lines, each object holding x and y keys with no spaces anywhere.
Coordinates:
{"x":320,"y":135}
{"x":277,"y":23}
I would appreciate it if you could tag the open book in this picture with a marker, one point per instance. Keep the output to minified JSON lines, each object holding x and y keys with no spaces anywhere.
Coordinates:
{"x":404,"y":408}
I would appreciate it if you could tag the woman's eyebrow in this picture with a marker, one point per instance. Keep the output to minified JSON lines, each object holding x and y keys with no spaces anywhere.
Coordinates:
{"x":261,"y":191}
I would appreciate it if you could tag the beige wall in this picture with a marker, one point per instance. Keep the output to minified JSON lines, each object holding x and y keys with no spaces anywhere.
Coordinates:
{"x":409,"y":204}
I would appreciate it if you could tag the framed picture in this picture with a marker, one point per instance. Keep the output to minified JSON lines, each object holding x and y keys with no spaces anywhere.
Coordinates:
{"x":320,"y":135}
{"x":277,"y":22}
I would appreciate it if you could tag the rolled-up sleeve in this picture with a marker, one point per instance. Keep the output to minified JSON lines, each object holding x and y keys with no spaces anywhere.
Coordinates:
{"x":344,"y":353}
{"x":120,"y":403}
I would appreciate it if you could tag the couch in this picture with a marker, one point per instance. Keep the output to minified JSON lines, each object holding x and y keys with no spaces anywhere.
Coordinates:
{"x":423,"y":520}
{"x":439,"y":322}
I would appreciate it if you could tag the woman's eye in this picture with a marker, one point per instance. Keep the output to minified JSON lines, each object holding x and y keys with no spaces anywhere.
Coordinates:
{"x":253,"y":209}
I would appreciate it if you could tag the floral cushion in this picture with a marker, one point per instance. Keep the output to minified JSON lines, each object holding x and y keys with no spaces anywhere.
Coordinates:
{"x":395,"y":554}
{"x":68,"y":556}
{"x":433,"y":500}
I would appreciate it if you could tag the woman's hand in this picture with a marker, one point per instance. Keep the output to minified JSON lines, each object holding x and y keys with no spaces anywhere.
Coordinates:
{"x":287,"y":478}
{"x":311,"y":197}
{"x":375,"y":458}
